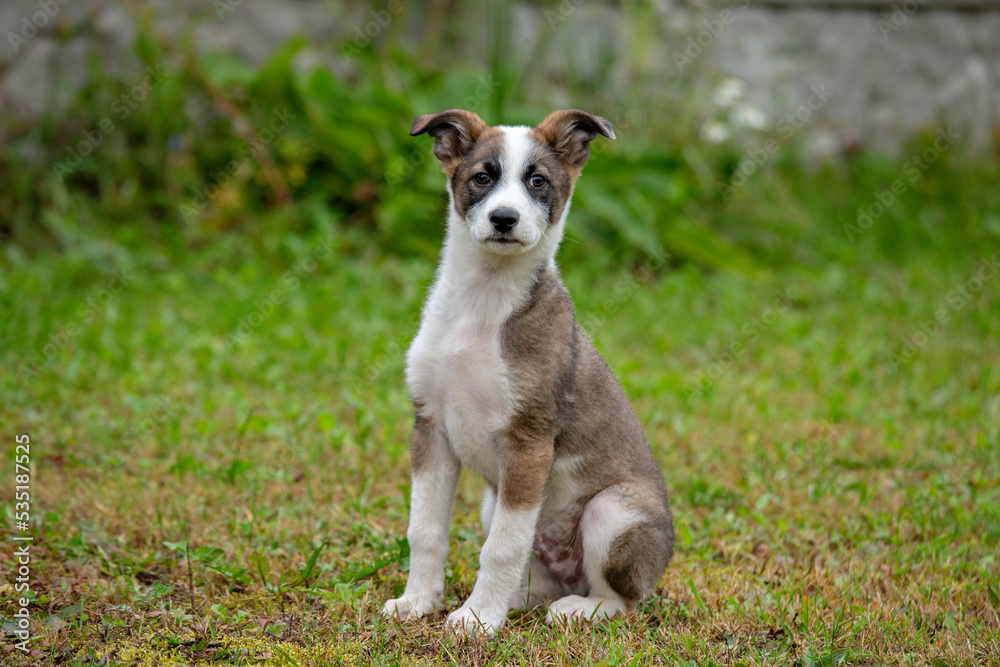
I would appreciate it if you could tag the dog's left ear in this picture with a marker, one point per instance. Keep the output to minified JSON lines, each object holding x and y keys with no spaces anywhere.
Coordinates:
{"x":569,"y":132}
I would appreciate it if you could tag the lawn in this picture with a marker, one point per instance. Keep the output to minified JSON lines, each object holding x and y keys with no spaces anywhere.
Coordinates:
{"x":219,"y":457}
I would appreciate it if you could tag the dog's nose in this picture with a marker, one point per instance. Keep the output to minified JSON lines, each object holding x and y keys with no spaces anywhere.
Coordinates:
{"x":504,"y":219}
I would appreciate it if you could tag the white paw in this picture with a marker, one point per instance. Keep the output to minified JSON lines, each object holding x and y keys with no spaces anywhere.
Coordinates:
{"x":574,"y":608}
{"x":409,"y":608}
{"x":465,"y":621}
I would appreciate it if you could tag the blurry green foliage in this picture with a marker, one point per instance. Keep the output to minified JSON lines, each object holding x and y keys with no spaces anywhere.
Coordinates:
{"x":215,"y":145}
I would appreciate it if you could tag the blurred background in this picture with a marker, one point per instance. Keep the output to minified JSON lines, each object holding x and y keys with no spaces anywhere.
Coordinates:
{"x":750,"y":134}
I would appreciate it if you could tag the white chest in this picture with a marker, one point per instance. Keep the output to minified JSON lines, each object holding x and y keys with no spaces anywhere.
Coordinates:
{"x":455,"y":369}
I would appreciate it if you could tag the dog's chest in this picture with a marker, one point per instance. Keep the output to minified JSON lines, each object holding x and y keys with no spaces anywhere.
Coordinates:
{"x":456,"y":371}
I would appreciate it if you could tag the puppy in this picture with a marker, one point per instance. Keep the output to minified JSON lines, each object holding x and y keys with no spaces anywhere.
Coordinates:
{"x":506,"y":382}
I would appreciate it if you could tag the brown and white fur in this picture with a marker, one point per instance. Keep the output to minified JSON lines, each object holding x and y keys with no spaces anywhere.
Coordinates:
{"x":507,"y":383}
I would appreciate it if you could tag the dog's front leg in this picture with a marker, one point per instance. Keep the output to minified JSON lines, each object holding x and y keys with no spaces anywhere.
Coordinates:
{"x":435,"y":476}
{"x":524,"y":469}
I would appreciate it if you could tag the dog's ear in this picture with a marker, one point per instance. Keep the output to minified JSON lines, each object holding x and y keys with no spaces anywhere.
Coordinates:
{"x":569,"y":132}
{"x":454,"y":131}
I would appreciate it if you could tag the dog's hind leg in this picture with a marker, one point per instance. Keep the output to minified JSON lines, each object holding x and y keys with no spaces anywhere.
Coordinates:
{"x":625,"y":550}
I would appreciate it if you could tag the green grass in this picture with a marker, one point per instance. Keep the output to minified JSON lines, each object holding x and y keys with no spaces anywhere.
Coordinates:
{"x":206,"y":493}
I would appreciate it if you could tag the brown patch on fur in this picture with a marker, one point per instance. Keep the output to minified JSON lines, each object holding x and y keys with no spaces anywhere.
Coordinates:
{"x":558,"y":373}
{"x":569,"y":133}
{"x":484,"y":155}
{"x":525,"y":460}
{"x":549,"y":164}
{"x":638,"y":557}
{"x":455,"y":132}
{"x":422,"y":443}
{"x":528,"y":449}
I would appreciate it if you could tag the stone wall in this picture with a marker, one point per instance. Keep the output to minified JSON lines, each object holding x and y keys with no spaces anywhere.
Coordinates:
{"x":870,"y":72}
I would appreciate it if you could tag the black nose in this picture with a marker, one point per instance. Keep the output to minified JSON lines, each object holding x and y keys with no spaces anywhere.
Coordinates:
{"x":504,"y":219}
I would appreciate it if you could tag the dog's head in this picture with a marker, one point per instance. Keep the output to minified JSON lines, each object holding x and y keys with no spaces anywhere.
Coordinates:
{"x":511,"y":185}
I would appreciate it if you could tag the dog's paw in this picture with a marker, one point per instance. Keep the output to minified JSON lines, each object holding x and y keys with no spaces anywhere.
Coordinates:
{"x":574,"y":609}
{"x":409,"y":608}
{"x":465,"y":621}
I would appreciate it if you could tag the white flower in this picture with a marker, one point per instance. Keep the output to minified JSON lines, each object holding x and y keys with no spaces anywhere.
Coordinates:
{"x":714,"y":132}
{"x":749,"y":115}
{"x":729,"y":92}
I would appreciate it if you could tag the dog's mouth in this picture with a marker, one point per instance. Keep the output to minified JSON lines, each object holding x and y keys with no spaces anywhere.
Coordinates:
{"x":504,"y":243}
{"x":503,"y":239}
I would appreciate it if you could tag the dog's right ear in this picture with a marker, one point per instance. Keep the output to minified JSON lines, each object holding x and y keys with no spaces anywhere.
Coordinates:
{"x":454,"y":131}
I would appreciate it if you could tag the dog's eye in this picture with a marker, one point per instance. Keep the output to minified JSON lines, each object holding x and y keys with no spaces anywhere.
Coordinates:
{"x":482,"y":178}
{"x":537,"y":181}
